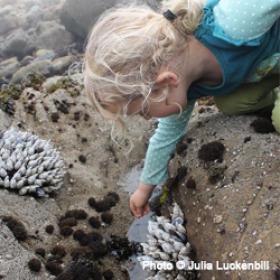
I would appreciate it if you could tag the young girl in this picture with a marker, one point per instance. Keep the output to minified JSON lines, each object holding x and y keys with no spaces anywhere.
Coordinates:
{"x":138,"y":61}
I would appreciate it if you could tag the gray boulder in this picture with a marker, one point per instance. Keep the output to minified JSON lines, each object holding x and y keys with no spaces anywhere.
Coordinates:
{"x":18,"y":43}
{"x":52,"y":35}
{"x":79,"y":16}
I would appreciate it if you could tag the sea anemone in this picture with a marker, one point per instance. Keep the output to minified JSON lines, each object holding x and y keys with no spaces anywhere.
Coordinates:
{"x":212,"y":151}
{"x":41,"y":252}
{"x":78,"y":214}
{"x":54,"y":267}
{"x":49,"y":229}
{"x":34,"y":265}
{"x":94,"y":222}
{"x":107,"y":217}
{"x":29,"y":164}
{"x":58,"y":251}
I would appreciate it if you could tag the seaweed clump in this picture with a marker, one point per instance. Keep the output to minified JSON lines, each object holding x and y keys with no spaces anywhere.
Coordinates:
{"x":78,"y":214}
{"x":81,"y":269}
{"x":105,"y":204}
{"x":122,"y":248}
{"x":212,"y":151}
{"x":54,"y":267}
{"x":16,"y":227}
{"x":262,"y":125}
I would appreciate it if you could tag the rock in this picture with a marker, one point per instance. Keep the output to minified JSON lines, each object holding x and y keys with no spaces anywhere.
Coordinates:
{"x":8,"y":67}
{"x":18,"y":44}
{"x":62,"y":63}
{"x":52,"y":35}
{"x":7,"y":23}
{"x":43,"y":67}
{"x":5,"y":120}
{"x":26,"y":60}
{"x":79,"y":16}
{"x":34,"y":15}
{"x":43,"y":54}
{"x":51,"y":82}
{"x":217,"y":219}
{"x":240,"y":205}
{"x":14,"y":258}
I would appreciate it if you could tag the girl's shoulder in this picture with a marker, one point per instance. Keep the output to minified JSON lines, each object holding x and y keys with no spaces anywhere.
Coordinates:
{"x":239,"y":22}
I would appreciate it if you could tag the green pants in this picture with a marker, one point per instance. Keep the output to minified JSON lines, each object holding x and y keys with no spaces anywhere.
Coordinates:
{"x":250,"y":98}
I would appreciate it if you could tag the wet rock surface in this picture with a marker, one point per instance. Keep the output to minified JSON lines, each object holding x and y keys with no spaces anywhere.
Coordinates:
{"x":236,"y":216}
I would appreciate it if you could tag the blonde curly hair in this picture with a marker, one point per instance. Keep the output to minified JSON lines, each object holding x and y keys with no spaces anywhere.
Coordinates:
{"x":127,"y":47}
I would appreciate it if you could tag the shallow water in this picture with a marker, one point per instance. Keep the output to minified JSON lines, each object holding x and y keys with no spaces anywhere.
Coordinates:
{"x":138,"y":230}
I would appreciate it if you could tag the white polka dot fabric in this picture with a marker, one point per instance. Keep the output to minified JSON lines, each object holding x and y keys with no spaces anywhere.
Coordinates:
{"x":246,"y":19}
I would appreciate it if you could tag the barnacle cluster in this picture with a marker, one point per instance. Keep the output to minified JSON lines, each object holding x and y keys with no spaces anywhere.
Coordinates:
{"x":167,"y":241}
{"x":29,"y":164}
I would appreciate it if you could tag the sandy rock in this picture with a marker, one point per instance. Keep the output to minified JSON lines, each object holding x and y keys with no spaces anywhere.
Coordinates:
{"x":14,"y":258}
{"x":252,"y":174}
{"x":40,"y":67}
{"x":52,"y":35}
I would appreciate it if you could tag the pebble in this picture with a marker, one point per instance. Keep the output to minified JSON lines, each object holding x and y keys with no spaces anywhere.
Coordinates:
{"x":258,"y":242}
{"x":244,"y":210}
{"x":230,"y":254}
{"x":249,"y":202}
{"x":198,"y":220}
{"x":277,"y":245}
{"x":218,"y":219}
{"x":9,"y":257}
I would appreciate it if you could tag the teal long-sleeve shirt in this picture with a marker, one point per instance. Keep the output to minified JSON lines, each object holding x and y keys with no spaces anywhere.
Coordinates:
{"x":229,"y":14}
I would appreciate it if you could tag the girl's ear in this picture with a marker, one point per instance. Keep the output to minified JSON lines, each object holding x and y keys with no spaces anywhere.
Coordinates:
{"x":167,"y":78}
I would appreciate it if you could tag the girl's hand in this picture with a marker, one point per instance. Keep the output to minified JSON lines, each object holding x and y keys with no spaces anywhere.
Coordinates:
{"x":139,"y":200}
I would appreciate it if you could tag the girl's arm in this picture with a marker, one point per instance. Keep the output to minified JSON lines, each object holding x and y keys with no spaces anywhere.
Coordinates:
{"x":162,"y":144}
{"x":246,"y":19}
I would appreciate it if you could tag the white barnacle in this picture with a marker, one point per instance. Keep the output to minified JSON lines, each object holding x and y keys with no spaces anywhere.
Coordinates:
{"x":3,"y":172}
{"x":181,"y":229}
{"x":27,"y":163}
{"x":167,"y":248}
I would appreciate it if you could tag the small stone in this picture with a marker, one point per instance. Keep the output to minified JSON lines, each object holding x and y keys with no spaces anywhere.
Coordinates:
{"x":249,"y":202}
{"x":198,"y":220}
{"x":277,"y":245}
{"x":258,"y":242}
{"x":221,"y":229}
{"x":244,"y":210}
{"x":9,"y":257}
{"x":218,"y":219}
